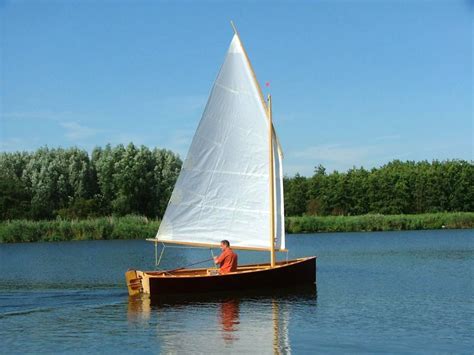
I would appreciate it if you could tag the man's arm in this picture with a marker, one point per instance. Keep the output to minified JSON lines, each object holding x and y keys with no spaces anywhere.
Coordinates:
{"x":219,"y":259}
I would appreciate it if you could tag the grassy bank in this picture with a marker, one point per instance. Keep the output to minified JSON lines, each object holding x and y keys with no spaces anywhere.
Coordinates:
{"x":377,"y":222}
{"x":136,"y":227}
{"x":128,"y":227}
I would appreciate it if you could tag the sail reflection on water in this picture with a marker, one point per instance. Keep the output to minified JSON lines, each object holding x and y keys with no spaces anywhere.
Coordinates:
{"x":239,"y":324}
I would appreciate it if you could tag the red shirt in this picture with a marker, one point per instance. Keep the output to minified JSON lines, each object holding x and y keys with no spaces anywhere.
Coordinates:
{"x":227,"y":261}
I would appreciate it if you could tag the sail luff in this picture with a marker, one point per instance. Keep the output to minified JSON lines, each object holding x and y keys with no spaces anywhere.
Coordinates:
{"x":254,"y":76}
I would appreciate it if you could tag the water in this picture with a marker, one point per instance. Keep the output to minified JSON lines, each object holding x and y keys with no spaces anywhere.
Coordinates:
{"x":376,"y":292}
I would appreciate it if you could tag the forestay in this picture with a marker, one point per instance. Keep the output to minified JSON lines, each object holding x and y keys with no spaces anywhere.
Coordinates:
{"x":223,"y":189}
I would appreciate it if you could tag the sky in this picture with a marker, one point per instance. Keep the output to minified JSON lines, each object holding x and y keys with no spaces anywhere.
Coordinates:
{"x":353,"y":83}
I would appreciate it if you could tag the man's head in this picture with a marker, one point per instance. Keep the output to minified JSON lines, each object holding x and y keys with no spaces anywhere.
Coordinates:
{"x":225,"y":244}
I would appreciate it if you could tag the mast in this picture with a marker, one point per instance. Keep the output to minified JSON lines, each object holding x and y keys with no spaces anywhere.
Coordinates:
{"x":272,"y":185}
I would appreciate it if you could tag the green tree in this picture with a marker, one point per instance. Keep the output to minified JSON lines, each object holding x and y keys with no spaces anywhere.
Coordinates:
{"x":317,"y":198}
{"x":295,"y":195}
{"x":14,"y":198}
{"x":167,"y":166}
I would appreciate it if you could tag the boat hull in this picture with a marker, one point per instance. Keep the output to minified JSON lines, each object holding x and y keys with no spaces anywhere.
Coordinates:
{"x":284,"y":274}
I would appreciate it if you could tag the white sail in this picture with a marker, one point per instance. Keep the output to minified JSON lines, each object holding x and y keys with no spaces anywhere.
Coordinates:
{"x":278,"y":193}
{"x":223,"y":190}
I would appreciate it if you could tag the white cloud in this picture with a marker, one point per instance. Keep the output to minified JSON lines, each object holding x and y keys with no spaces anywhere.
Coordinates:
{"x":66,"y":119}
{"x":341,"y":157}
{"x":75,"y":131}
{"x":13,"y":144}
{"x":302,"y":169}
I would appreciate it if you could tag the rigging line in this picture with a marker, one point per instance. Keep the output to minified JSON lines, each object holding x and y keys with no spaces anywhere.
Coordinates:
{"x":186,"y":266}
{"x":156,"y":255}
{"x":176,"y":246}
{"x":161,"y":255}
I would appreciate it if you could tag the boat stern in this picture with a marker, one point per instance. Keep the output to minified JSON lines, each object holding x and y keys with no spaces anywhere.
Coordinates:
{"x":137,"y":282}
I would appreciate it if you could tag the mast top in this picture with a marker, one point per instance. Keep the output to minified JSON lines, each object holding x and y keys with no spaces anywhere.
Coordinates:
{"x":233,"y":27}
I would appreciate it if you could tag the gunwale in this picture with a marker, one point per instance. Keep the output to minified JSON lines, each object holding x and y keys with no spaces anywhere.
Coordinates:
{"x":202,"y":272}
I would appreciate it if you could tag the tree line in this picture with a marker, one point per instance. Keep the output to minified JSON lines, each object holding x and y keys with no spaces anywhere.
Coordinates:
{"x":122,"y":180}
{"x":70,"y":183}
{"x":395,"y":188}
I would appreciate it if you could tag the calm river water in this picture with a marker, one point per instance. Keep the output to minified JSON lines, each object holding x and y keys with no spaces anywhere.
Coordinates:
{"x":376,"y":292}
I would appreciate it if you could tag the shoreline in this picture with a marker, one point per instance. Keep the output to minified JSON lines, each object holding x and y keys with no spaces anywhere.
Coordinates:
{"x":138,"y":227}
{"x":379,"y":223}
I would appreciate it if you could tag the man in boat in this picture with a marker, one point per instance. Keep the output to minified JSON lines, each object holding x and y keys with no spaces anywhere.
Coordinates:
{"x":227,"y":260}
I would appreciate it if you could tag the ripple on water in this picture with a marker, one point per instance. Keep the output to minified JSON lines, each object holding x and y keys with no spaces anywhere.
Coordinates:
{"x":376,"y":292}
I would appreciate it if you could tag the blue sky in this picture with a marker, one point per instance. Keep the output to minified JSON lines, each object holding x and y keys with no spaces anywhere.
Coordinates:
{"x":354,"y":83}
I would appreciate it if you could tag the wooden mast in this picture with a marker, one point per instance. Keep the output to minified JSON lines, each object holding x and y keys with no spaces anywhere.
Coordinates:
{"x":272,"y":185}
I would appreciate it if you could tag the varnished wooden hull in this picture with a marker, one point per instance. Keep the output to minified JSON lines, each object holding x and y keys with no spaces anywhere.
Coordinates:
{"x":284,"y":274}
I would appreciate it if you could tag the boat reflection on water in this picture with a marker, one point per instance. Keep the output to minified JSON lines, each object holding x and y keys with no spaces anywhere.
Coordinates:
{"x":250,"y":322}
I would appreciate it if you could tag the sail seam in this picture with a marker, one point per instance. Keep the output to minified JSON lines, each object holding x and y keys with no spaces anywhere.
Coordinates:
{"x":237,"y":92}
{"x":203,"y":206}
{"x":228,"y":89}
{"x":227,"y":172}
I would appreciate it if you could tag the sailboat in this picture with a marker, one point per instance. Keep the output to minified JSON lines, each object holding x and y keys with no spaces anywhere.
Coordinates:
{"x":230,"y":187}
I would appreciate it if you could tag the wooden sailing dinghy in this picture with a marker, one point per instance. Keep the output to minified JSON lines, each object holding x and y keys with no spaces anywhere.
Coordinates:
{"x":230,"y":187}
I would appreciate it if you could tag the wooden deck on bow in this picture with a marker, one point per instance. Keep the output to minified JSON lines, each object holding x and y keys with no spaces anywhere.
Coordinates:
{"x":254,"y":276}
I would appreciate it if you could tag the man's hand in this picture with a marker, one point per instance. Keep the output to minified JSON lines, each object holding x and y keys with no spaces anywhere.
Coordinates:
{"x":215,"y":260}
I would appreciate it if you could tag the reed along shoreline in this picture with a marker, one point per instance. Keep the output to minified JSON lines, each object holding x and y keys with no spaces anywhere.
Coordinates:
{"x":137,"y":227}
{"x":378,"y":222}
